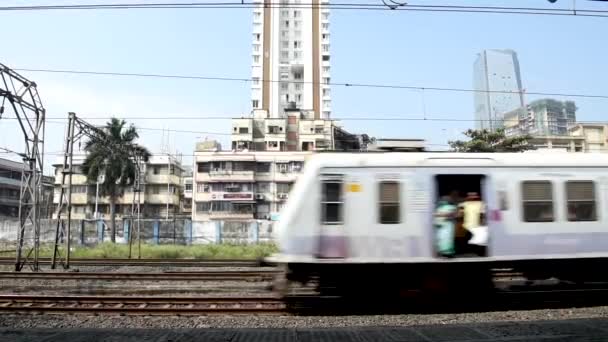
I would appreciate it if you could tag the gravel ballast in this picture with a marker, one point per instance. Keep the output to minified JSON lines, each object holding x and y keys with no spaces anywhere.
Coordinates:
{"x":273,"y":321}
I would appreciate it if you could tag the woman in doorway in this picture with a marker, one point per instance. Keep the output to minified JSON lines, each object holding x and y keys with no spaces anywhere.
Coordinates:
{"x":444,"y":222}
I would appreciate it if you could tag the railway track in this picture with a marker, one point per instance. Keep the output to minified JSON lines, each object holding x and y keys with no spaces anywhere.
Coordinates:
{"x":149,"y":262}
{"x":140,"y":305}
{"x":146,"y":276}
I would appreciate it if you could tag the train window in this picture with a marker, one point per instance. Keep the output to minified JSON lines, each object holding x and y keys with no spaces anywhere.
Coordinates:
{"x":389,"y":211}
{"x":332,"y":202}
{"x":580,"y":196}
{"x":504,"y":200}
{"x":537,"y":199}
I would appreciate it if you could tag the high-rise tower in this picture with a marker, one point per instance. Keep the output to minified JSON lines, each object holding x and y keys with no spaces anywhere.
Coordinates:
{"x":291,"y":58}
{"x":496,"y":76}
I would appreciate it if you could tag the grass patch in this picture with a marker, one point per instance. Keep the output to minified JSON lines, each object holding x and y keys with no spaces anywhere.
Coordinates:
{"x":110,"y":250}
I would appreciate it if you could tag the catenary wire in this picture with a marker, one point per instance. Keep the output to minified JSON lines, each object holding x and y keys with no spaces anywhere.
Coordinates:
{"x":337,"y":6}
{"x":343,"y":84}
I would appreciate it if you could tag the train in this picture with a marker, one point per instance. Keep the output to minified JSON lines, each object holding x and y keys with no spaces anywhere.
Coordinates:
{"x":361,"y":221}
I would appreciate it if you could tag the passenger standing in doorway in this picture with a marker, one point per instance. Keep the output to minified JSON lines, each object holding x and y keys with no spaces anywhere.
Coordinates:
{"x":444,"y":222}
{"x":472,"y":209}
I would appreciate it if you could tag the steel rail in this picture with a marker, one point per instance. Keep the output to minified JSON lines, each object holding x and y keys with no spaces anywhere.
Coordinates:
{"x":148,"y":305}
{"x":149,"y":262}
{"x":140,"y":276}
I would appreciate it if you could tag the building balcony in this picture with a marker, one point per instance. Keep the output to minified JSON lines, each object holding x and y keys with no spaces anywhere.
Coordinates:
{"x":161,"y":199}
{"x":77,"y":179}
{"x":230,"y":215}
{"x":163,"y":179}
{"x":76,"y":198}
{"x":230,"y":176}
{"x":10,"y":181}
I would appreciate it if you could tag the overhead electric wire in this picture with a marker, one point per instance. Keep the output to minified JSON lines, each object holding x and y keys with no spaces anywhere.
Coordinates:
{"x":336,"y":6}
{"x":342,"y":84}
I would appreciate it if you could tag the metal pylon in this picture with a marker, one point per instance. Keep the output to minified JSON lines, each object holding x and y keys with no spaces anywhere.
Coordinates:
{"x":63,"y":228}
{"x":22,"y":96}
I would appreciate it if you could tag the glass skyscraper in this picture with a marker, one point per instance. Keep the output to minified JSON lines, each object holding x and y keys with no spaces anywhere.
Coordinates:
{"x":496,"y":72}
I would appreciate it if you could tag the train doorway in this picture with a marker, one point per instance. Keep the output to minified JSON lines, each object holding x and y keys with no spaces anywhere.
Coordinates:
{"x":459,"y":223}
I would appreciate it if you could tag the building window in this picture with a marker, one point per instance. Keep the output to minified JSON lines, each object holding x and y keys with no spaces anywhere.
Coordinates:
{"x":286,"y":23}
{"x":297,"y":14}
{"x":299,"y":97}
{"x":255,"y":104}
{"x":389,"y":211}
{"x":202,"y":206}
{"x":326,"y":103}
{"x":284,"y":34}
{"x":285,"y":44}
{"x":325,"y":69}
{"x":257,"y":15}
{"x":326,"y":80}
{"x":326,"y":92}
{"x":243,"y":130}
{"x":325,"y":15}
{"x":263,"y":186}
{"x":155,"y":190}
{"x":257,"y":37}
{"x":580,"y":196}
{"x":256,"y":47}
{"x":325,"y":58}
{"x":283,"y":188}
{"x":537,"y":200}
{"x":256,"y":81}
{"x":297,"y":75}
{"x":325,"y":48}
{"x":297,"y":44}
{"x":284,"y":54}
{"x":262,"y":167}
{"x":285,"y":13}
{"x":296,"y":24}
{"x":256,"y":59}
{"x":298,"y":86}
{"x":203,"y":167}
{"x":297,"y":55}
{"x":200,"y":187}
{"x":325,"y":36}
{"x":284,"y":86}
{"x":332,"y":202}
{"x":156,"y":170}
{"x":325,"y":26}
{"x":188,"y":187}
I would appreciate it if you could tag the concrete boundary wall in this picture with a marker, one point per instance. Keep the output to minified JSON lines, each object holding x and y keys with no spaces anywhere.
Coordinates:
{"x":152,"y":231}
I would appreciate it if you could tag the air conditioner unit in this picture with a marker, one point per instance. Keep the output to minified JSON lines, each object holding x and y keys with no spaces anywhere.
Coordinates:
{"x":259,"y":196}
{"x":283,"y":196}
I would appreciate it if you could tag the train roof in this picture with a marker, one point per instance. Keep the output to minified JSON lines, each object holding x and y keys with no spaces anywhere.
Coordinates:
{"x":428,"y":159}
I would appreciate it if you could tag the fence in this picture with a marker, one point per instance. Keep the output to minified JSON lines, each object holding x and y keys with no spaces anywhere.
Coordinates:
{"x":151,"y":231}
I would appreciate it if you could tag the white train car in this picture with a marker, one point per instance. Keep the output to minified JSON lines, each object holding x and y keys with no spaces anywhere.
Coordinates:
{"x":367,"y":218}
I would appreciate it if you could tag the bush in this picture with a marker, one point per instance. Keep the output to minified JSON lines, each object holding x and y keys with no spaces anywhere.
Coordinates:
{"x":211,"y":251}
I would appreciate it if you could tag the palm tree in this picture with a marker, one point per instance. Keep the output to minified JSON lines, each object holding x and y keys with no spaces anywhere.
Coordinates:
{"x":112,"y":151}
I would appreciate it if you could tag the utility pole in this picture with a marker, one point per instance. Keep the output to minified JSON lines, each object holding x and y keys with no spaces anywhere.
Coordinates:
{"x":23,"y":98}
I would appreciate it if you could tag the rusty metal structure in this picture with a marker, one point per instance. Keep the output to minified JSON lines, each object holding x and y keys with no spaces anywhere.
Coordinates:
{"x":20,"y":95}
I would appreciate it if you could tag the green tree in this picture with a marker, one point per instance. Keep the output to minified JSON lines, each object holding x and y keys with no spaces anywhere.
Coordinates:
{"x":112,"y":151}
{"x":491,"y":141}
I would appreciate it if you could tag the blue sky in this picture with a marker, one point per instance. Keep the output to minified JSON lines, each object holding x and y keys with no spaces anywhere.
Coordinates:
{"x":557,"y":54}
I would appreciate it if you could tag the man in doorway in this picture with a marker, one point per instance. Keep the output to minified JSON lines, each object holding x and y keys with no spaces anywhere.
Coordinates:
{"x":472,"y":209}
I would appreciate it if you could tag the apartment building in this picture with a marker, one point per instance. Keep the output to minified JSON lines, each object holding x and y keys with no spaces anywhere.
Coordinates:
{"x":298,"y":131}
{"x":545,"y":117}
{"x":10,"y":186}
{"x":243,"y":185}
{"x":595,"y":136}
{"x":187,"y":196}
{"x":160,"y":197}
